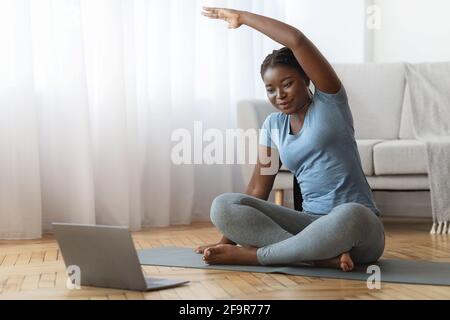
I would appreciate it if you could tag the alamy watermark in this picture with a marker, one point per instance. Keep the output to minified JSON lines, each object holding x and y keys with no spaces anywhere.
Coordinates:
{"x":73,"y":278}
{"x":373,"y":17}
{"x":374,"y":280}
{"x":218,"y":147}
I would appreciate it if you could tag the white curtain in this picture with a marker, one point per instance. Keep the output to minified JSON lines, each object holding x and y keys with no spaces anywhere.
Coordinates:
{"x":90,"y":93}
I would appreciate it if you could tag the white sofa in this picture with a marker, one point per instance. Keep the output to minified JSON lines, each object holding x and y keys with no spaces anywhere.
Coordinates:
{"x":391,"y":157}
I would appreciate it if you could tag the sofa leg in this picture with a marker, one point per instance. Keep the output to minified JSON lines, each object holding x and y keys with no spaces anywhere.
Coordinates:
{"x":279,"y":197}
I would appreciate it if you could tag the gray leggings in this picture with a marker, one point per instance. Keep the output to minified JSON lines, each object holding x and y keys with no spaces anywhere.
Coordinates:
{"x":286,"y":236}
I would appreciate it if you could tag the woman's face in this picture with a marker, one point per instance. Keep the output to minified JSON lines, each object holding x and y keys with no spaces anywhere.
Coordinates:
{"x":286,"y":89}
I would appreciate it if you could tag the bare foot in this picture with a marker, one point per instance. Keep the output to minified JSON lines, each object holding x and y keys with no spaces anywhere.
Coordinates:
{"x":201,"y":249}
{"x":230,"y":254}
{"x":343,"y":262}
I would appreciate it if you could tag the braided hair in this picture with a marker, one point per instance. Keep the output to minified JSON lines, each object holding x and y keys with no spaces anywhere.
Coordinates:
{"x":284,"y":57}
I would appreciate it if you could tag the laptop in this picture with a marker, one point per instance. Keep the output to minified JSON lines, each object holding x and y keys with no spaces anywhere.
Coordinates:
{"x":105,"y":257}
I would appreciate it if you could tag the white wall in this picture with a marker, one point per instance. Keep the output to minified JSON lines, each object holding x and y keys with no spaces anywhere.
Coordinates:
{"x":413,"y":31}
{"x":337,"y":28}
{"x":410,"y":30}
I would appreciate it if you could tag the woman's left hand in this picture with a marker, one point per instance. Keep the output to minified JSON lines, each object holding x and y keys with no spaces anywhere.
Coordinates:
{"x":233,"y":17}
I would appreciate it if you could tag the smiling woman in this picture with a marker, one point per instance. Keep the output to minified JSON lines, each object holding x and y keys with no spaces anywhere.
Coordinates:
{"x":283,"y":84}
{"x":316,"y":141}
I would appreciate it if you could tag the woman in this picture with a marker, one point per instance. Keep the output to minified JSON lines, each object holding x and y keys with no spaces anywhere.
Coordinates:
{"x":340,"y":225}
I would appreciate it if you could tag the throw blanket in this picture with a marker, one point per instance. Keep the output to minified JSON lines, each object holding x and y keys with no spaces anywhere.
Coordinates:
{"x":430,"y":106}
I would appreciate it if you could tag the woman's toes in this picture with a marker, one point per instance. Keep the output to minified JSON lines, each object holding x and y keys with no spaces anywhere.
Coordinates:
{"x":211,"y":251}
{"x":207,"y":252}
{"x":346,"y":262}
{"x":217,"y":249}
{"x":199,"y":250}
{"x":216,"y":253}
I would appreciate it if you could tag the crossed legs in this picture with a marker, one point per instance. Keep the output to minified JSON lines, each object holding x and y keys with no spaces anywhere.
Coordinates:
{"x":274,"y":235}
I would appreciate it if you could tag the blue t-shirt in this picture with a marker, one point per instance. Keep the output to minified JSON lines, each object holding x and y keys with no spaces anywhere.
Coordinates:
{"x":323,"y":155}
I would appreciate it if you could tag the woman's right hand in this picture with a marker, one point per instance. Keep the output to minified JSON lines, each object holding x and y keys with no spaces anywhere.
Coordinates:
{"x":233,"y":17}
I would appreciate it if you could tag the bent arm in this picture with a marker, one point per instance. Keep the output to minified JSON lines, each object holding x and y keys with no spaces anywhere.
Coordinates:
{"x":261,"y":183}
{"x":315,"y":65}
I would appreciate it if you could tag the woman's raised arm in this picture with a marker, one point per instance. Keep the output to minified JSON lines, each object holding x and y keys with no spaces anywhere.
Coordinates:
{"x":316,"y":67}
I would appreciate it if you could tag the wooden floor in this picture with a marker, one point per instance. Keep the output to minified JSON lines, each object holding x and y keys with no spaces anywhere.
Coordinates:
{"x":35,"y":270}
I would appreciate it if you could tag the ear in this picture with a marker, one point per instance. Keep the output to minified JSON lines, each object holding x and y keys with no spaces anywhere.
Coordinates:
{"x":307,"y":81}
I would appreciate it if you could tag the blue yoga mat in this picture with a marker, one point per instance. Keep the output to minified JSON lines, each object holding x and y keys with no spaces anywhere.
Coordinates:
{"x":396,"y":271}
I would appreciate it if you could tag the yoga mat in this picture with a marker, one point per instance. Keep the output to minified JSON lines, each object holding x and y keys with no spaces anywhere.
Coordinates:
{"x":396,"y":271}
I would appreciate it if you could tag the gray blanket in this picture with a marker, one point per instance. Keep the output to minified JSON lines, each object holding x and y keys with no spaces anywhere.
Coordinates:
{"x":429,"y":86}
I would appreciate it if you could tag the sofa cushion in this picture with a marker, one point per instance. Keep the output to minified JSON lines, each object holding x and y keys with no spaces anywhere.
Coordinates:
{"x":365,"y":148}
{"x":399,"y":182}
{"x":375,"y":92}
{"x":400,"y":157}
{"x":406,"y":123}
